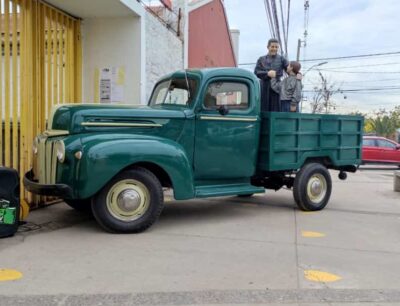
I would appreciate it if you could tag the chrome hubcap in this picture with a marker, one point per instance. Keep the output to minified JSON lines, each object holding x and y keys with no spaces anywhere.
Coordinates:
{"x":128,"y":200}
{"x":316,"y":188}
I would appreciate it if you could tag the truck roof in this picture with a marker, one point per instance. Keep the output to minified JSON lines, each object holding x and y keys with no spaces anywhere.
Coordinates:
{"x":207,"y":73}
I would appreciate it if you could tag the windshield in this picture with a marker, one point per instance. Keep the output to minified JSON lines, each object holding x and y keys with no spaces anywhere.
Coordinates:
{"x":174,"y":92}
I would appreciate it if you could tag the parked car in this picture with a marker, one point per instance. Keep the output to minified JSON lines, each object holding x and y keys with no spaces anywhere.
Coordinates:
{"x":380,"y":150}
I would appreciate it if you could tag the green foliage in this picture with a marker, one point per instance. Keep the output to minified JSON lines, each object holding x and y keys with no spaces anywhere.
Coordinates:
{"x":383,"y":123}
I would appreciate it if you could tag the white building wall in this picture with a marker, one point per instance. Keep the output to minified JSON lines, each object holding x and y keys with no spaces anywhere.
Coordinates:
{"x":235,"y":35}
{"x":112,"y":42}
{"x":164,"y":51}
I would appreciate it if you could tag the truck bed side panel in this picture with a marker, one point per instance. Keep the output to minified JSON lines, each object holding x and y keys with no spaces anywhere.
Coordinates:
{"x":288,"y":139}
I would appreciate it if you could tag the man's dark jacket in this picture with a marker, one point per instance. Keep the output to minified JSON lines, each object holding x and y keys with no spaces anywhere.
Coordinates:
{"x":269,"y":98}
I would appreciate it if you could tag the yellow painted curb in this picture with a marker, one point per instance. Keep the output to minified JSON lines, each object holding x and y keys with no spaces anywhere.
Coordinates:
{"x":320,"y":276}
{"x":9,"y":275}
{"x":308,"y":234}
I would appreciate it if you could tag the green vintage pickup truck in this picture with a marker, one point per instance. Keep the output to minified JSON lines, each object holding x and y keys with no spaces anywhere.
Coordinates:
{"x":202,"y":135}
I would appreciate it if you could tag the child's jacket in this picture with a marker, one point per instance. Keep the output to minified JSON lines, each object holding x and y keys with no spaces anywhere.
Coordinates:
{"x":288,"y":89}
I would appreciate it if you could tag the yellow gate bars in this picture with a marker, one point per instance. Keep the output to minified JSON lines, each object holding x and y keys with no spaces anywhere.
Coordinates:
{"x":40,"y":67}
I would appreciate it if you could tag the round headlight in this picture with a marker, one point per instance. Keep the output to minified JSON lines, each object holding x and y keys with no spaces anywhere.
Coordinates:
{"x":35,"y":145}
{"x":60,"y":150}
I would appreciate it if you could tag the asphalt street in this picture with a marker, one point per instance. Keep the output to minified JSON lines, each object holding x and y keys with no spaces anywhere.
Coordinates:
{"x":219,"y":251}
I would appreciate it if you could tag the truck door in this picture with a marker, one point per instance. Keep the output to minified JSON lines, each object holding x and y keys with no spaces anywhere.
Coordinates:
{"x":227,"y":131}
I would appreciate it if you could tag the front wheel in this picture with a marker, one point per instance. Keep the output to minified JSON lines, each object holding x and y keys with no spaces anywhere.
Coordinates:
{"x":312,"y":187}
{"x":129,"y":203}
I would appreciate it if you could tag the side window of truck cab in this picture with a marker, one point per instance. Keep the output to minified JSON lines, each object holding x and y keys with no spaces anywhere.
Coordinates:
{"x":233,"y":95}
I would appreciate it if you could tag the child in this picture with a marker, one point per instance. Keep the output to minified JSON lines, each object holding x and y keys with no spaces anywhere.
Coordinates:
{"x":289,"y":89}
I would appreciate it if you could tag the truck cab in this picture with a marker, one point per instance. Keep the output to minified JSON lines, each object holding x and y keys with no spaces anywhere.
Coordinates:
{"x":202,"y":134}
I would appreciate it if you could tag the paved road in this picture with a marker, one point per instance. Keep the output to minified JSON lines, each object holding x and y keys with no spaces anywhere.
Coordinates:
{"x":219,"y":251}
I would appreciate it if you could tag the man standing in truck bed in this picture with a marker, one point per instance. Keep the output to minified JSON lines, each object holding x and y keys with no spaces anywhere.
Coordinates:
{"x":271,"y":61}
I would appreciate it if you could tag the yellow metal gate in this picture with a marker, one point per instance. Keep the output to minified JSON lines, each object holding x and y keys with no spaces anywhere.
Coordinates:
{"x":40,"y":67}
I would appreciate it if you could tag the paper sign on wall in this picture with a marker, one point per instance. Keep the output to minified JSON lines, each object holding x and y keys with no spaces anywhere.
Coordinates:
{"x":112,"y":80}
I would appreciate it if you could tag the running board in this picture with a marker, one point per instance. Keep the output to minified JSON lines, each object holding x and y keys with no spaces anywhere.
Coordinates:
{"x":226,"y":190}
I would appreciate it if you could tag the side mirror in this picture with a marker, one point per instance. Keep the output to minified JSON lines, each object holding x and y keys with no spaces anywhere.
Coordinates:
{"x":223,"y":110}
{"x":398,"y":147}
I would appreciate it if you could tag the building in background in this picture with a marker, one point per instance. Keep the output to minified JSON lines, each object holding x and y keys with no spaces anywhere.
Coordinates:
{"x":128,"y":42}
{"x":105,"y":51}
{"x":56,"y":52}
{"x":211,"y":43}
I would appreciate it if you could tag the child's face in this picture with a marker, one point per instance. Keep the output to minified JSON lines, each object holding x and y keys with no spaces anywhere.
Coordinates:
{"x":289,"y":69}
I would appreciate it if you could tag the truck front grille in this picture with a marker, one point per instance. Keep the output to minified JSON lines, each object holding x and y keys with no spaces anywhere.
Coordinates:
{"x":45,"y":162}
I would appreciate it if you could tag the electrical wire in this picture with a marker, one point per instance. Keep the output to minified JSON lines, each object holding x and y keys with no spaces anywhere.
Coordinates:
{"x":361,"y":72}
{"x":340,"y":57}
{"x":283,"y":28}
{"x":269,"y":17}
{"x":287,"y":21}
{"x":361,"y":66}
{"x":276,"y":22}
{"x":363,"y":81}
{"x":360,"y":90}
{"x":351,"y":56}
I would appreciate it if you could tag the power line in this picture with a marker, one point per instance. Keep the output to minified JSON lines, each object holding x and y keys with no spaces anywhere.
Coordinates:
{"x":359,"y":66}
{"x":287,"y":22}
{"x":351,"y":56}
{"x":276,"y":21}
{"x":283,"y":28}
{"x":361,"y":90}
{"x":340,"y":57}
{"x":269,"y":17}
{"x":361,"y":72}
{"x":363,"y":81}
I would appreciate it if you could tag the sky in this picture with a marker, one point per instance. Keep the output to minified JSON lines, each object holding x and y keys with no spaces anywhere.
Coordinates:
{"x":335,"y":28}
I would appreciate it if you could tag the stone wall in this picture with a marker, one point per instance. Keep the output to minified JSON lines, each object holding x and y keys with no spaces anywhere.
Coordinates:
{"x":164,"y":51}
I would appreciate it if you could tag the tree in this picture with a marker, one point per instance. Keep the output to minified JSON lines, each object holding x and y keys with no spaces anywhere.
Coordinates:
{"x":395,"y":114}
{"x":383,"y":123}
{"x":322,"y":100}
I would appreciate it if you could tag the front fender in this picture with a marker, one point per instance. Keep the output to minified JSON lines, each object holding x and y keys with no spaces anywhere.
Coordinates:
{"x":104,"y":156}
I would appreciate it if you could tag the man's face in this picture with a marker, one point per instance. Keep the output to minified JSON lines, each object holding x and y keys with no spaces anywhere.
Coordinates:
{"x":273,"y":48}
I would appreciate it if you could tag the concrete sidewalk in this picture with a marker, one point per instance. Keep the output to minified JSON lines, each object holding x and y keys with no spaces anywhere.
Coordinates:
{"x":219,"y":251}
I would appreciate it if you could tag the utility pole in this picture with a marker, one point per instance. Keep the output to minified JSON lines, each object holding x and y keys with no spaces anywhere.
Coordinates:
{"x":299,"y":42}
{"x":298,"y":50}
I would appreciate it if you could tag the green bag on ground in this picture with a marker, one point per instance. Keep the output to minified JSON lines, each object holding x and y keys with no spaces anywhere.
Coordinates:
{"x":9,"y":202}
{"x":7,"y":214}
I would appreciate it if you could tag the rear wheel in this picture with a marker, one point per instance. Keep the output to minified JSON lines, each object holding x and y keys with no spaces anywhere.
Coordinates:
{"x":312,"y":187}
{"x":129,"y":203}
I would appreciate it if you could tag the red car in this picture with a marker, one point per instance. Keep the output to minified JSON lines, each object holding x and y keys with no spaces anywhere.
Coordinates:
{"x":380,"y":150}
